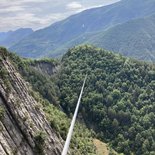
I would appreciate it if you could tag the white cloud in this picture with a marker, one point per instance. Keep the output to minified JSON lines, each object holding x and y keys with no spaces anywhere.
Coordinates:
{"x":11,"y":9}
{"x":21,"y":1}
{"x":40,"y":13}
{"x":74,"y":6}
{"x":29,"y":20}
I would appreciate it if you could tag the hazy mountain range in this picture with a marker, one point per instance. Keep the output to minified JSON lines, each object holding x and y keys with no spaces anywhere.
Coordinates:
{"x":135,"y":38}
{"x":126,"y":27}
{"x":10,"y":38}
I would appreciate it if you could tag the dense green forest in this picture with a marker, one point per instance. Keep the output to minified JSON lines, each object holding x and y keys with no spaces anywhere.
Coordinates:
{"x":119,"y":97}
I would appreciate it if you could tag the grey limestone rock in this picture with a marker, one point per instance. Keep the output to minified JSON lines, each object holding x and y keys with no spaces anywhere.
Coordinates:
{"x":22,"y":120}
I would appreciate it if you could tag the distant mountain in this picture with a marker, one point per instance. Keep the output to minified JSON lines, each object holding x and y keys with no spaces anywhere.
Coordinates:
{"x":9,"y":38}
{"x":3,"y":35}
{"x":135,"y":38}
{"x":50,"y":40}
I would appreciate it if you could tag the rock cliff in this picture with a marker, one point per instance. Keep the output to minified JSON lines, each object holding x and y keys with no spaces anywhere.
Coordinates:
{"x":45,"y":67}
{"x":24,"y":129}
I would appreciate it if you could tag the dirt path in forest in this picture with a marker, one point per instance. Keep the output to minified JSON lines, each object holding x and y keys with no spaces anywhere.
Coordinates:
{"x":101,"y":148}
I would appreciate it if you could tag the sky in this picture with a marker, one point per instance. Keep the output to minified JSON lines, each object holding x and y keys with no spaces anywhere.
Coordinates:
{"x":38,"y":14}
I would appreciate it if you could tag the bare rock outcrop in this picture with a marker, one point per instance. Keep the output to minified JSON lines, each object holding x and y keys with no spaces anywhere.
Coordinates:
{"x":45,"y":67}
{"x":24,"y":129}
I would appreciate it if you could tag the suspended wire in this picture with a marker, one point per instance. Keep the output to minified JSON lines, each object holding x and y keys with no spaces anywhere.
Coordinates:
{"x":66,"y":147}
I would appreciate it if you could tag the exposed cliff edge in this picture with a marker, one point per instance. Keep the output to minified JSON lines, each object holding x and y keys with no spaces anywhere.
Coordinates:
{"x":45,"y":66}
{"x":24,"y":129}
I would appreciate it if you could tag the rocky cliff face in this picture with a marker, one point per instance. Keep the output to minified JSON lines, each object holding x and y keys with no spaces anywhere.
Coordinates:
{"x":44,"y":67}
{"x":24,"y":129}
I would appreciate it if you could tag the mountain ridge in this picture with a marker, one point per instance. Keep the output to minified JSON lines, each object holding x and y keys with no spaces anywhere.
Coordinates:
{"x":46,"y":41}
{"x":10,"y":38}
{"x":134,"y":38}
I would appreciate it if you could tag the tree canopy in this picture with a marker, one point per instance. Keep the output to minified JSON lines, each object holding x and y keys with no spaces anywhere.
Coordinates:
{"x":119,"y":97}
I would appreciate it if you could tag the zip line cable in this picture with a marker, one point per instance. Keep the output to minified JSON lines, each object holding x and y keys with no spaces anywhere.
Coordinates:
{"x":68,"y":139}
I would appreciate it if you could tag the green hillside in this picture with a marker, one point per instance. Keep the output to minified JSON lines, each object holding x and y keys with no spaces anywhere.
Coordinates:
{"x":119,"y":97}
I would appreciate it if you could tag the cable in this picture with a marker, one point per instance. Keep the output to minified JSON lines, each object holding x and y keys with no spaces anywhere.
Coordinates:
{"x":66,"y":147}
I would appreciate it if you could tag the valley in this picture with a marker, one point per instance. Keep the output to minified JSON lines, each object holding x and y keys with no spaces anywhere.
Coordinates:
{"x":42,"y":69}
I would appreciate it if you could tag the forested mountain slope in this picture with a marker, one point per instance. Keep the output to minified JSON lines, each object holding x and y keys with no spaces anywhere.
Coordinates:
{"x":118,"y":101}
{"x":47,"y":41}
{"x":119,"y":97}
